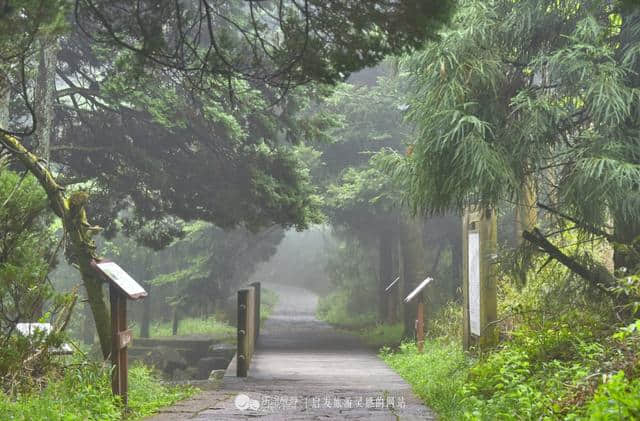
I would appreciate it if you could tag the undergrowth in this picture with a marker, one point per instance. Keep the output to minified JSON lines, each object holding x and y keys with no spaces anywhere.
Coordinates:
{"x":562,"y":356}
{"x":83,"y":392}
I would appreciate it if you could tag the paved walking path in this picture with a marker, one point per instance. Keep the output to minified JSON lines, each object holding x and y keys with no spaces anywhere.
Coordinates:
{"x":306,"y":370}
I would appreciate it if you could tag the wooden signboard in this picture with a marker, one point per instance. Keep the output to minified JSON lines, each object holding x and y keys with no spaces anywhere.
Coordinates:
{"x":122,"y":287}
{"x":474,"y":282}
{"x":420,"y":316}
{"x":121,"y":279}
{"x":479,"y":239}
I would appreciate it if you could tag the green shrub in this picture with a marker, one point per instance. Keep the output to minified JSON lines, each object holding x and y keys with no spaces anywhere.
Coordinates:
{"x":534,"y":375}
{"x":83,"y":392}
{"x":617,"y":398}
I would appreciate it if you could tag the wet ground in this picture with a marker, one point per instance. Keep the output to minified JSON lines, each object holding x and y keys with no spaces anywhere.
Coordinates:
{"x":306,"y":370}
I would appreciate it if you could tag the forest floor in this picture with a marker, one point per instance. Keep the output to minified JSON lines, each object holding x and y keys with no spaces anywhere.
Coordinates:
{"x":305,"y":370}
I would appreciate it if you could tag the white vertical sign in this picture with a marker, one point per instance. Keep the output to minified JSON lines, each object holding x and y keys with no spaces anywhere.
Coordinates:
{"x":474,"y":283}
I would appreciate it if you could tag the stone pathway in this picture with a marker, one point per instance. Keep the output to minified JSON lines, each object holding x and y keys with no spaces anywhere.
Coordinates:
{"x":305,"y":370}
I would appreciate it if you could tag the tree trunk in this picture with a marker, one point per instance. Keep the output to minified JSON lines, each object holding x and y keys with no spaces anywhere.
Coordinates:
{"x":44,"y":96}
{"x":385,"y":246}
{"x":80,"y":248}
{"x":414,"y":268}
{"x":87,"y":328}
{"x":176,"y":321}
{"x":5,"y":92}
{"x":95,"y":294}
{"x":627,"y":231}
{"x":5,"y":98}
{"x":456,"y":268}
{"x":626,"y":253}
{"x":526,"y":218}
{"x":392,"y":295}
{"x":526,"y":211}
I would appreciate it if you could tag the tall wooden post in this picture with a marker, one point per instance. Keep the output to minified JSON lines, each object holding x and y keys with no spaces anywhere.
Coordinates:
{"x":419,"y":320}
{"x":420,"y":324}
{"x":122,"y":287}
{"x":119,"y":379}
{"x":246,"y":330}
{"x":256,"y":292}
{"x":479,"y":239}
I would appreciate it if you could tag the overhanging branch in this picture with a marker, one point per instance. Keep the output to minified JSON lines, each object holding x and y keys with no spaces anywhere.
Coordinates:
{"x":599,"y":277}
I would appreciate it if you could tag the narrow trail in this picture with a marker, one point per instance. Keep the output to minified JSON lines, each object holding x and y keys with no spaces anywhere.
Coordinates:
{"x":304,"y":369}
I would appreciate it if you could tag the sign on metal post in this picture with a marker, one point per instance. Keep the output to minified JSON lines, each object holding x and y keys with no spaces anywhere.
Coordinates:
{"x":419,"y":326}
{"x":479,"y":284}
{"x":122,"y":287}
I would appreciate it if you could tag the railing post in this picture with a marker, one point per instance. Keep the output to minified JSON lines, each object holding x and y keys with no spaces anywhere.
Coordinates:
{"x":242,"y":343}
{"x":256,"y":286}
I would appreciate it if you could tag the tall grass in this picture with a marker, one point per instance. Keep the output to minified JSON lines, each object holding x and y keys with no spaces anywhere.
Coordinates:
{"x":437,"y":375}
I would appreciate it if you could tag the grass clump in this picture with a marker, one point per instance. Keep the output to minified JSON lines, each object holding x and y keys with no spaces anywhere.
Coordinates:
{"x":437,"y":375}
{"x":147,"y":393}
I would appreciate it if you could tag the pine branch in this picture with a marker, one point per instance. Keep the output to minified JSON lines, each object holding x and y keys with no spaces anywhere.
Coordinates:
{"x":587,"y":227}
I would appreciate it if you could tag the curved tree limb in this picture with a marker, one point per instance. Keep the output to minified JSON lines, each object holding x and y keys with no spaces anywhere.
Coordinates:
{"x":80,"y":248}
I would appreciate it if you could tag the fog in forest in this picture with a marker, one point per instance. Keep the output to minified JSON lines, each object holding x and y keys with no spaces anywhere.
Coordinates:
{"x":435,"y":200}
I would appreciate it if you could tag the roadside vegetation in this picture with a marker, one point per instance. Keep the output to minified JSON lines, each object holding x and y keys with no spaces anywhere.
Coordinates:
{"x":81,"y":390}
{"x":561,"y":357}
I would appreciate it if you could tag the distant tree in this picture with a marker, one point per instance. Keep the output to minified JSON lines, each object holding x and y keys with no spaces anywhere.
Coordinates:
{"x":365,"y":204}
